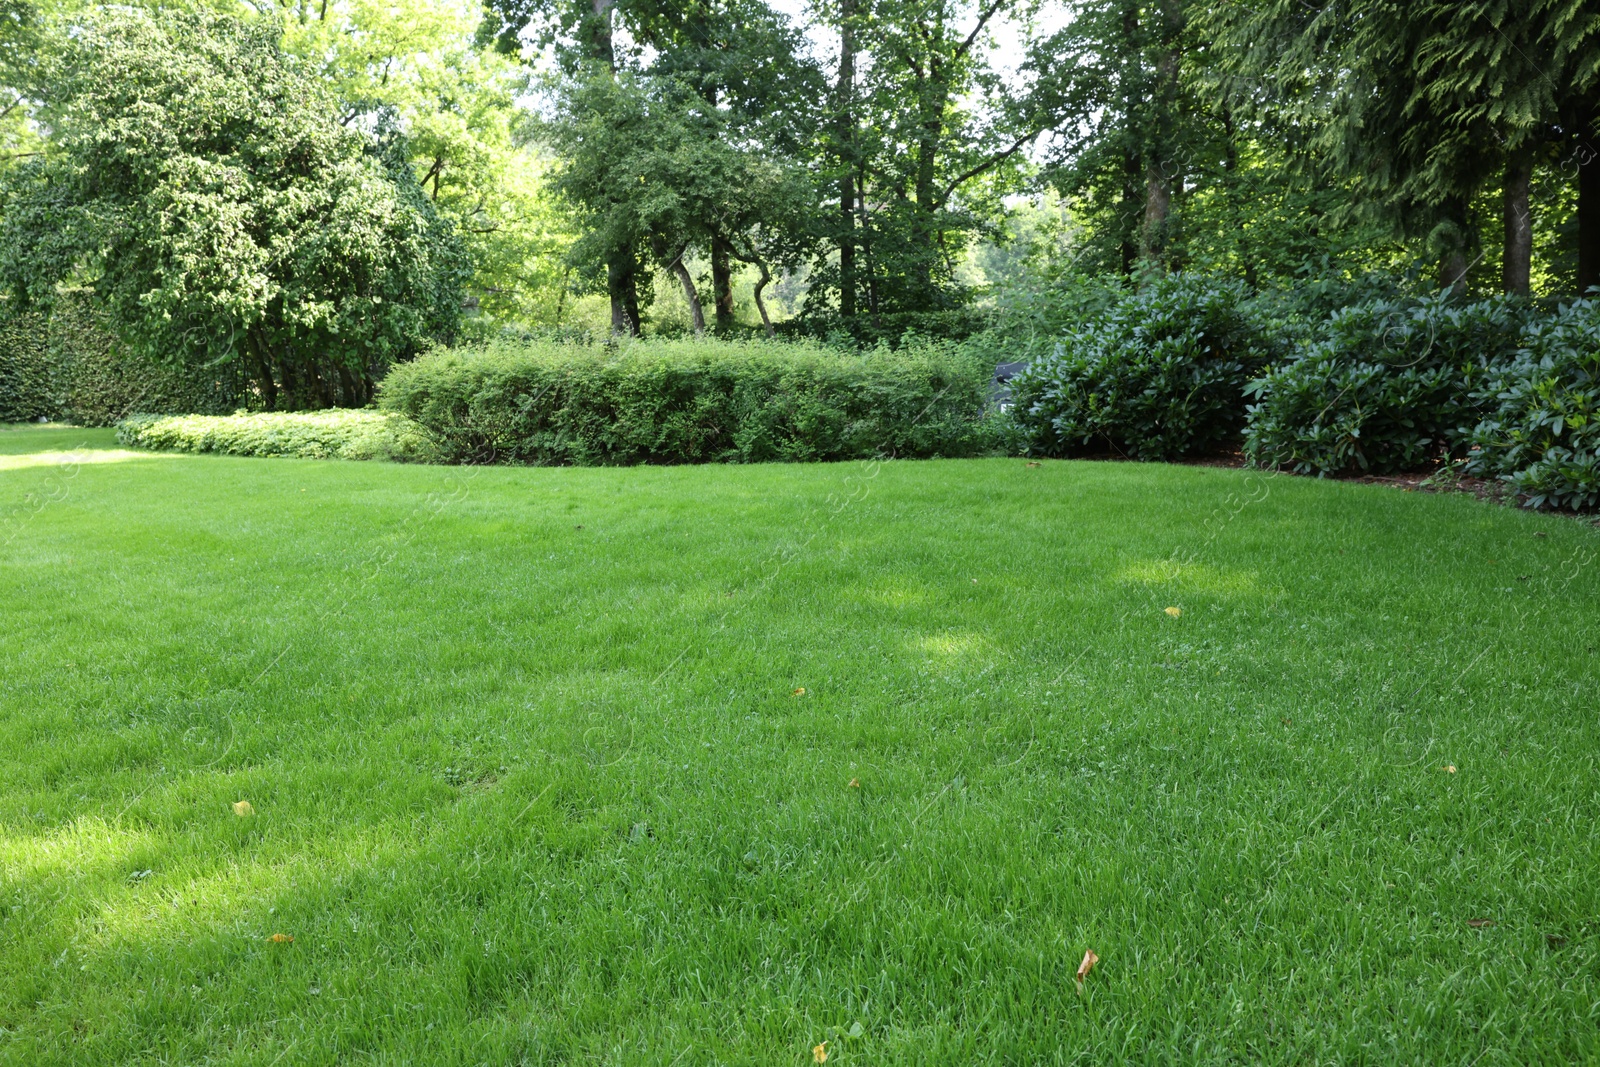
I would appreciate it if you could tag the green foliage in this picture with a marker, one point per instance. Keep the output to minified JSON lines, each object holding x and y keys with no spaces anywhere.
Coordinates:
{"x":1160,"y":376}
{"x":1389,"y":386}
{"x":1542,"y":430}
{"x":201,"y":180}
{"x":457,"y":102}
{"x":331,"y":434}
{"x":690,"y":402}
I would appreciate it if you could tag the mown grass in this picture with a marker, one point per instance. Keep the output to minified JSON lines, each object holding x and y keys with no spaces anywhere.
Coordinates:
{"x":531,"y":781}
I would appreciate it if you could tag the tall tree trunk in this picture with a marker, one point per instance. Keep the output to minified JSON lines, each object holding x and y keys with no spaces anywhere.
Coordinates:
{"x":844,"y":98}
{"x":696,"y":313}
{"x":934,"y":96}
{"x":1154,"y":239}
{"x":751,"y":257}
{"x":722,"y":283}
{"x":1132,"y":156}
{"x":269,"y":387}
{"x":1517,"y":259}
{"x":1153,"y":228}
{"x":622,"y":284}
{"x":1453,"y":258}
{"x":1589,"y":203}
{"x":598,"y":29}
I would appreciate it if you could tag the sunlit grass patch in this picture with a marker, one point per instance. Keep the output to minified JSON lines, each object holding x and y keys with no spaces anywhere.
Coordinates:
{"x":665,"y":764}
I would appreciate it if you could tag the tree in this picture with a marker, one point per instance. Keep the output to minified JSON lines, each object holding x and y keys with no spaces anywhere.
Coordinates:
{"x":937,"y":139}
{"x":201,"y":182}
{"x":1418,"y":106}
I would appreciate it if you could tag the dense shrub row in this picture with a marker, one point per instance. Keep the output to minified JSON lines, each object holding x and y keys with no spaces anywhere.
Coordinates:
{"x":691,"y":402}
{"x":1390,"y":383}
{"x":65,"y":364}
{"x":329,"y":434}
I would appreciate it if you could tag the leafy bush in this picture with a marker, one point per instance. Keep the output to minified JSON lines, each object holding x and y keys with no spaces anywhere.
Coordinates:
{"x":1389,"y":386}
{"x":1161,"y":375}
{"x":1542,"y":432}
{"x":329,"y":434}
{"x":690,"y":402}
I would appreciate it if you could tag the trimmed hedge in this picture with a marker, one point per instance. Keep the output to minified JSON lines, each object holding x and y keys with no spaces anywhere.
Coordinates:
{"x":700,"y":401}
{"x":329,"y":434}
{"x":27,"y":385}
{"x":65,"y":364}
{"x":1160,"y":375}
{"x":1542,"y":431}
{"x":1391,"y":385}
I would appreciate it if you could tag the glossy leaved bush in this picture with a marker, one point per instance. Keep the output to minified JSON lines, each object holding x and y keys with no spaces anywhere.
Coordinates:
{"x":1542,"y":428}
{"x":1389,"y":385}
{"x":1159,"y":375}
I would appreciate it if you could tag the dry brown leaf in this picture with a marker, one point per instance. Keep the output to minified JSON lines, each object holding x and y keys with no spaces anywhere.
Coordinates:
{"x":243,"y":808}
{"x":281,"y":939}
{"x":1479,"y":923}
{"x":1089,"y":960}
{"x":820,"y":1053}
{"x":1035,"y":464}
{"x":855,"y":783}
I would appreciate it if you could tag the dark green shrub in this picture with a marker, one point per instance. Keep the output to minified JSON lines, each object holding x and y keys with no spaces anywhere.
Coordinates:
{"x":1161,"y":375}
{"x":1389,"y":386}
{"x":328,"y":434}
{"x":66,"y":364}
{"x":27,"y":388}
{"x":98,"y":381}
{"x":872,"y":331}
{"x":690,"y":402}
{"x":1542,"y":431}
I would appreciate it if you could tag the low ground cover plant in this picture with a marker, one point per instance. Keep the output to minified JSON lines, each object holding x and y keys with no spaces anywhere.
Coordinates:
{"x":331,"y":434}
{"x":1159,"y":375}
{"x":698,"y":401}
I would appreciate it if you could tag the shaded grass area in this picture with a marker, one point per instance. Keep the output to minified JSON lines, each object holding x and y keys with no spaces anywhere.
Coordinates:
{"x":532,"y":783}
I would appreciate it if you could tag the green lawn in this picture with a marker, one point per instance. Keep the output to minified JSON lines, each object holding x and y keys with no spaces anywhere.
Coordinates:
{"x":533,"y":781}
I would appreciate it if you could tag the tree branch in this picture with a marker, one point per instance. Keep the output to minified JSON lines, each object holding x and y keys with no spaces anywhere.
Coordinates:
{"x":988,"y":164}
{"x":983,"y":20}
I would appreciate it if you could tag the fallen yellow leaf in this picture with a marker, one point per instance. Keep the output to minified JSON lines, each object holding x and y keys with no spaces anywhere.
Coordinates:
{"x":1089,"y":960}
{"x":855,"y":783}
{"x":800,"y":692}
{"x":1174,"y":612}
{"x":243,"y":808}
{"x":820,"y":1053}
{"x":281,"y":939}
{"x":1450,"y":768}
